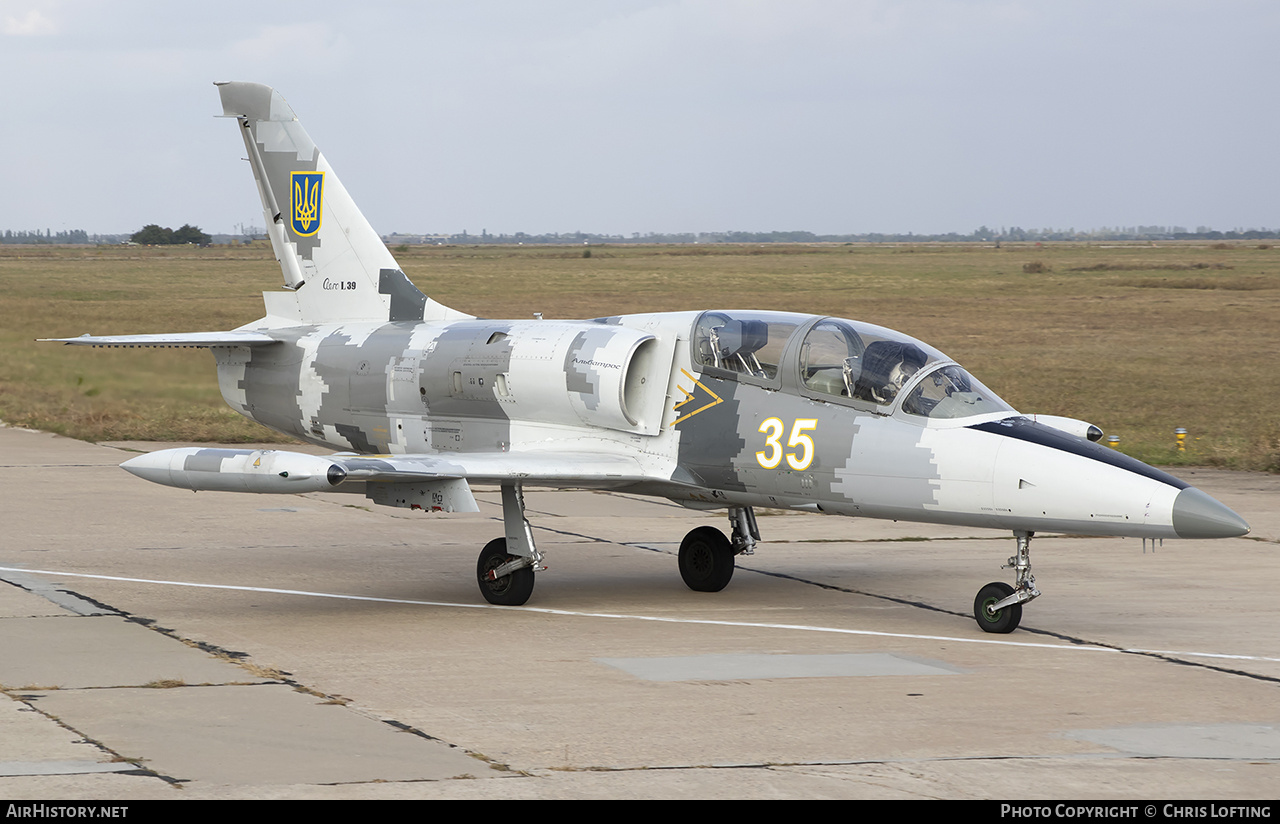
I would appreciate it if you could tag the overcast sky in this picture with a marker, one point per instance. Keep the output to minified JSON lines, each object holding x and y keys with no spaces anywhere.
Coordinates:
{"x":621,"y":116}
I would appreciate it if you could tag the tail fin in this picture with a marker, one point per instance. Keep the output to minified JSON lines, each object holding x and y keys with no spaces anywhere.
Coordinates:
{"x":336,"y":264}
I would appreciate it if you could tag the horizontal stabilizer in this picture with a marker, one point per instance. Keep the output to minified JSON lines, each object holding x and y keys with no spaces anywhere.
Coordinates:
{"x":180,"y":340}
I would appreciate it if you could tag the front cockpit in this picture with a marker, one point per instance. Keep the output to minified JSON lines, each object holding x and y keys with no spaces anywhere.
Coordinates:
{"x":839,"y":361}
{"x":951,"y":392}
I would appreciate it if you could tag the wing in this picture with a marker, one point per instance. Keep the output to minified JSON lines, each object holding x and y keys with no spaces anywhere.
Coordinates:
{"x":270,"y":470}
{"x":549,"y":469}
{"x":179,"y":340}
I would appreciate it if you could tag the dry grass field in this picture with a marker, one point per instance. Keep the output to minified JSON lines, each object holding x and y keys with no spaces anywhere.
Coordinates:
{"x":1138,"y":339}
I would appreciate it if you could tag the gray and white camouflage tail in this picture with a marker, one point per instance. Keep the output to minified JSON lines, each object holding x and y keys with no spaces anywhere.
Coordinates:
{"x":336,"y":264}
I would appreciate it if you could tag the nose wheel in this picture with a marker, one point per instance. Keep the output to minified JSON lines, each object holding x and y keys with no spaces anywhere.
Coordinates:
{"x":992,"y":619}
{"x":998,"y":606}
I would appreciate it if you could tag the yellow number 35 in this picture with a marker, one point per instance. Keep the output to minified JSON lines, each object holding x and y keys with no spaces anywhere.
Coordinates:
{"x":771,"y":455}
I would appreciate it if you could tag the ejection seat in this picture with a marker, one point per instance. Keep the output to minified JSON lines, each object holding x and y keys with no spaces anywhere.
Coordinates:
{"x":886,"y":365}
{"x":735,"y":345}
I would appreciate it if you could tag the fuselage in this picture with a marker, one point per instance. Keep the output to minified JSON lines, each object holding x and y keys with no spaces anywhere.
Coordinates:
{"x":722,"y":409}
{"x":717,"y":410}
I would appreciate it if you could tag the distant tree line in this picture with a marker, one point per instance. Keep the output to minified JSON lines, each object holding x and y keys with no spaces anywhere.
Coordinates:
{"x":155,"y":235}
{"x":152,"y":234}
{"x":69,"y":236}
{"x":982,"y":234}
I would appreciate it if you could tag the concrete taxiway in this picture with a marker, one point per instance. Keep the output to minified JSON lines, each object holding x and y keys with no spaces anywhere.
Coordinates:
{"x":156,"y":643}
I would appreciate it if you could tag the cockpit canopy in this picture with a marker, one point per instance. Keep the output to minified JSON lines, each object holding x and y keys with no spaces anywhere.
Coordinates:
{"x":744,"y":343}
{"x":839,"y":360}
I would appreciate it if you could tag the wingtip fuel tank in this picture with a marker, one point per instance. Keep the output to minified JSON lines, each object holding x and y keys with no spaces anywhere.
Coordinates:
{"x":237,"y":470}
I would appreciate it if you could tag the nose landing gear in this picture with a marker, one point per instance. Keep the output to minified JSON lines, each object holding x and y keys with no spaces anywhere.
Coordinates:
{"x":998,"y":606}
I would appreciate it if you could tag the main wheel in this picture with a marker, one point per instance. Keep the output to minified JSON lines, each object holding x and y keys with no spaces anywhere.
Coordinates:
{"x":510,"y":590}
{"x":1003,"y":620}
{"x":706,"y":560}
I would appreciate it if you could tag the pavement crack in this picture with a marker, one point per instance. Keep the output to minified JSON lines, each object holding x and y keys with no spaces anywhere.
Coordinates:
{"x":267,"y":676}
{"x":902,"y":762}
{"x":135,"y":767}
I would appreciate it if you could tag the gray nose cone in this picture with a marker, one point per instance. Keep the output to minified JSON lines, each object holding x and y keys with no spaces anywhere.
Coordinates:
{"x":1196,"y":515}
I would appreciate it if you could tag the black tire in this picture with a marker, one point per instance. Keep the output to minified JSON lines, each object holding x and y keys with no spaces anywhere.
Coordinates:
{"x":706,"y":560}
{"x":1005,"y":620}
{"x":510,"y":590}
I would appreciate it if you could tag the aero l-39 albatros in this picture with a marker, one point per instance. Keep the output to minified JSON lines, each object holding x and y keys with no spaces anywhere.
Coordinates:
{"x":720,"y":409}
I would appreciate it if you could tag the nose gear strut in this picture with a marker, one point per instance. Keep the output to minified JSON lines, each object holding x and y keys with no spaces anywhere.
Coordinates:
{"x":998,"y":606}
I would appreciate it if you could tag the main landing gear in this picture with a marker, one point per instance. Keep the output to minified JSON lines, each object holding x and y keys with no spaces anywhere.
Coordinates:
{"x":506,"y":565}
{"x":998,"y":607}
{"x":706,"y":555}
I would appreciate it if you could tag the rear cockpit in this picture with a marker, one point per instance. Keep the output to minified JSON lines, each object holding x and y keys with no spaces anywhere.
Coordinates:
{"x":839,"y":361}
{"x":746,"y":345}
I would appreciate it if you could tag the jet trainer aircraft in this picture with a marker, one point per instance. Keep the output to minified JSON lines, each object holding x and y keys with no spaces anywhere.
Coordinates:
{"x":720,"y":409}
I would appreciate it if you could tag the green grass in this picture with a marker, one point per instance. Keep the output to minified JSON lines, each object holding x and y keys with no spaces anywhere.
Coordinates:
{"x":123,"y":394}
{"x":1138,"y":339}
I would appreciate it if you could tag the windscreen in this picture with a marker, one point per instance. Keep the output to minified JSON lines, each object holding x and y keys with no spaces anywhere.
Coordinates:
{"x":951,"y":392}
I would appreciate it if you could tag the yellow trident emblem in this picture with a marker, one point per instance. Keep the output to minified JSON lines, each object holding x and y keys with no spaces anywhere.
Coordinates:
{"x":307,"y":188}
